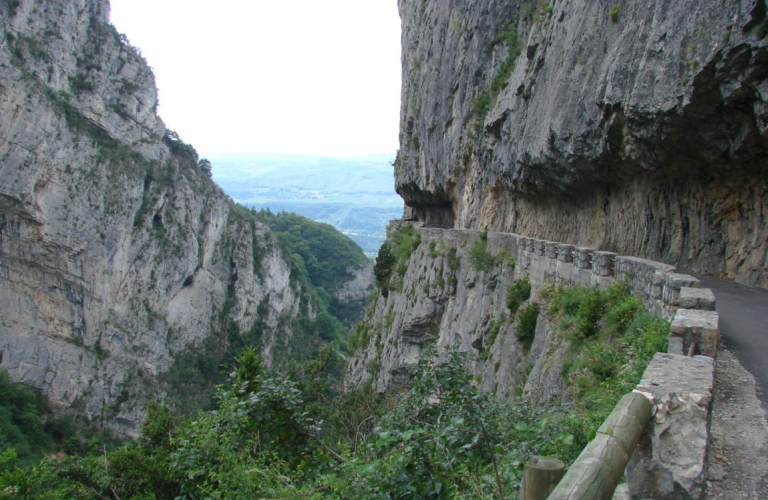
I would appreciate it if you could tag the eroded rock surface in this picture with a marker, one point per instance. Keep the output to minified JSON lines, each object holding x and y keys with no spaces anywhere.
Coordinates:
{"x":640,"y":130}
{"x":116,"y":251}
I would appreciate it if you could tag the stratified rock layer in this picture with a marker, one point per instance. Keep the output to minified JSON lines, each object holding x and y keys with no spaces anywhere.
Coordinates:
{"x":636,"y":127}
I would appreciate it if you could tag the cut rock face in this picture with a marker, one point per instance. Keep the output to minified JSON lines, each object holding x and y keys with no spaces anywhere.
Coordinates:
{"x":641,"y":134}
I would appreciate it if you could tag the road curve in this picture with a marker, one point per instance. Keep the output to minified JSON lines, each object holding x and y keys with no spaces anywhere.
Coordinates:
{"x":744,"y":326}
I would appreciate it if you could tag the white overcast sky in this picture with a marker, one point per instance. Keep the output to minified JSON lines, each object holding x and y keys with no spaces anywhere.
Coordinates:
{"x":318,"y":77}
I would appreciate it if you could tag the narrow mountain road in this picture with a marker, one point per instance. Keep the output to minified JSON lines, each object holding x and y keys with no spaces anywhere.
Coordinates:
{"x":739,"y":428}
{"x":744,"y":326}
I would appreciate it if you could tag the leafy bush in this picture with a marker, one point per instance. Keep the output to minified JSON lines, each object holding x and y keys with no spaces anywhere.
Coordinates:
{"x":590,"y":311}
{"x":405,"y":240}
{"x":614,"y":13}
{"x":479,"y":256}
{"x":526,"y":325}
{"x":382,"y":269}
{"x":482,"y":260}
{"x":21,"y":426}
{"x":615,"y":340}
{"x":394,"y":255}
{"x":518,"y":292}
{"x":287,"y":435}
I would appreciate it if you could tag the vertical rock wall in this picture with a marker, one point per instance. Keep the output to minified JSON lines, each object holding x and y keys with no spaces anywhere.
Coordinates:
{"x":635,"y":127}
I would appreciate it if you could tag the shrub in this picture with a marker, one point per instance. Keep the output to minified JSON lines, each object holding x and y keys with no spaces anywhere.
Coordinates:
{"x":526,"y":325}
{"x":481,"y":104}
{"x":382,"y":269}
{"x":589,"y":312}
{"x":616,"y":339}
{"x":406,"y":240}
{"x":479,"y":257}
{"x":614,"y":13}
{"x":518,"y":292}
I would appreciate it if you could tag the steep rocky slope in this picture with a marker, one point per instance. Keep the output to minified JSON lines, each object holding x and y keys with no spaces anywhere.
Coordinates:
{"x":117,"y":253}
{"x":636,"y":127}
{"x":439,"y":295}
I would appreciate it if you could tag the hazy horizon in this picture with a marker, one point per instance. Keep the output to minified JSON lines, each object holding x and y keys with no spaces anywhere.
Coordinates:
{"x":244,"y":77}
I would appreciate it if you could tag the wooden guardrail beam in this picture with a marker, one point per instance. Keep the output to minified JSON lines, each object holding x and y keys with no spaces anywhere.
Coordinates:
{"x":597,"y":471}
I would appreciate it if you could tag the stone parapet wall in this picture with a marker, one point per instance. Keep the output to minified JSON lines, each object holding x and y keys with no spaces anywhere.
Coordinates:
{"x":662,"y":290}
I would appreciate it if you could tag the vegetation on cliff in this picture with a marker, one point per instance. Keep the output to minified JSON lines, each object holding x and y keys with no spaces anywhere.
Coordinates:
{"x":293,"y":432}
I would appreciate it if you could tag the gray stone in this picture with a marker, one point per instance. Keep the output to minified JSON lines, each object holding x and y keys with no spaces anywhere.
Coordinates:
{"x":583,"y":257}
{"x":565,"y":252}
{"x":702,"y":327}
{"x":551,"y":249}
{"x":696,"y":298}
{"x":675,"y":345}
{"x":596,"y":139}
{"x":670,"y":461}
{"x":603,"y":263}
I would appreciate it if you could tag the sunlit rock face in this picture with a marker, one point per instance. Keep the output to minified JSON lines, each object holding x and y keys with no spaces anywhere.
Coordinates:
{"x":639,"y":129}
{"x":116,"y":252}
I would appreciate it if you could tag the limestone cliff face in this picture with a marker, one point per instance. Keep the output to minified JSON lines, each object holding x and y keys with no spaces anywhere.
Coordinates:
{"x":635,"y":127}
{"x":443,"y":298}
{"x":116,"y":251}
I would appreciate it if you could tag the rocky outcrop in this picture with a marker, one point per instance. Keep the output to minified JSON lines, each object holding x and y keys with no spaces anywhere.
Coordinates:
{"x":443,"y":298}
{"x":116,"y":251}
{"x":638,"y":128}
{"x":454,"y":290}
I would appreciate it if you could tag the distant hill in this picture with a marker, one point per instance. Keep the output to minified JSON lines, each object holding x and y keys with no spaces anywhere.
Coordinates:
{"x":355,"y":195}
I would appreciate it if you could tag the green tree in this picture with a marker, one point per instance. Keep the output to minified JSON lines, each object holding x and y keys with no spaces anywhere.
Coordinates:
{"x":382,"y":269}
{"x":205,"y":165}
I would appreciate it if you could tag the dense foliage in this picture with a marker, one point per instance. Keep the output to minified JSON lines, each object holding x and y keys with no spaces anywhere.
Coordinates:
{"x":614,"y":339}
{"x":326,"y":254}
{"x":284,"y":435}
{"x":392,"y":260}
{"x":292,"y":433}
{"x":29,"y":428}
{"x":323,"y":257}
{"x":518,"y":292}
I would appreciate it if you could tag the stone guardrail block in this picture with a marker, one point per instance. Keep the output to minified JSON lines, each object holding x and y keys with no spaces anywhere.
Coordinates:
{"x":540,"y":247}
{"x":582,"y":257}
{"x":528,"y":244}
{"x":603,"y":263}
{"x":551,"y":249}
{"x":702,"y":327}
{"x":673,"y":282}
{"x":670,"y":461}
{"x":695,"y":298}
{"x":565,"y":253}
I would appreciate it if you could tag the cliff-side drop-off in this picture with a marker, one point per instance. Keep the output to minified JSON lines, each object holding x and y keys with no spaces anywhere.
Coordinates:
{"x":116,"y":251}
{"x":635,"y":127}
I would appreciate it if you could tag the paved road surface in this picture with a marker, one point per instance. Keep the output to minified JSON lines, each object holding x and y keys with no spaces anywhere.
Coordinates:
{"x":744,"y":325}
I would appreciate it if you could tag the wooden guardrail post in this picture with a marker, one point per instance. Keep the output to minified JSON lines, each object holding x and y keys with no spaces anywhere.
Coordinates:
{"x":597,"y":471}
{"x":540,"y":476}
